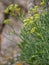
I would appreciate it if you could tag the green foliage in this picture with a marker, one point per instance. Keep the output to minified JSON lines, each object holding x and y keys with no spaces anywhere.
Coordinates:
{"x":6,"y":21}
{"x":35,"y":39}
{"x":12,"y":8}
{"x":15,"y":11}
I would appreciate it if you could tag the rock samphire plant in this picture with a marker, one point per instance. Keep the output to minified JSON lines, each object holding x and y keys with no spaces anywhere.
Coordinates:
{"x":35,"y":37}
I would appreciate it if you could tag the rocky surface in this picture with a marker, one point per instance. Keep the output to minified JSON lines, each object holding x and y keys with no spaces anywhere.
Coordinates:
{"x":9,"y":47}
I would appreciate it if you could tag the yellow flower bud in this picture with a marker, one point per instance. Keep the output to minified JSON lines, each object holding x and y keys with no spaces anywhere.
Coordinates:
{"x":33,"y":29}
{"x":42,"y":3}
